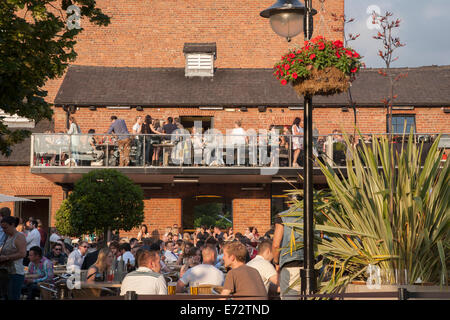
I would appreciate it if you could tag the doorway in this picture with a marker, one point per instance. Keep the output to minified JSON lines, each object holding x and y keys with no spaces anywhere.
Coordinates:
{"x":39,"y":209}
{"x":189,"y":121}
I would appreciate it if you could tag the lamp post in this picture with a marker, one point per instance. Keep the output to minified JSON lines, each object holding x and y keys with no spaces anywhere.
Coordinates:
{"x":288,"y":18}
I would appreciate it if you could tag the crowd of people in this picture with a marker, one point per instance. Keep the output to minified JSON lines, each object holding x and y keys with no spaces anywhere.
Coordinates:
{"x":240,"y":263}
{"x":144,"y":144}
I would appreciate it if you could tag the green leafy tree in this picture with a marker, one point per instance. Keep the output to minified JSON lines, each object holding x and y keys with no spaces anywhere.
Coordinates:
{"x":212,"y":214}
{"x":37,"y":40}
{"x":102,"y":200}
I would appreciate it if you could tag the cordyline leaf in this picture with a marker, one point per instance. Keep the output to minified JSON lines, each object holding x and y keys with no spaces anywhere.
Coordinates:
{"x":356,"y":224}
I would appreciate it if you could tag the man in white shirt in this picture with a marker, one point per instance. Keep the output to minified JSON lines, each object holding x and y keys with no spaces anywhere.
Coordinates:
{"x":204,"y":273}
{"x":76,"y":257}
{"x":171,"y":257}
{"x":146,"y":279}
{"x":33,"y":238}
{"x":262,"y":263}
{"x":127,"y":256}
{"x":54,"y":237}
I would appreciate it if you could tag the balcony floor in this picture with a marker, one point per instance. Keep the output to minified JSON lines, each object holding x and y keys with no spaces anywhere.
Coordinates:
{"x":245,"y":175}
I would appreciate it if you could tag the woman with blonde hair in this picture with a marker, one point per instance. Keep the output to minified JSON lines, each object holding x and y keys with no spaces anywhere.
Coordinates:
{"x":186,"y":237}
{"x":99,"y":270}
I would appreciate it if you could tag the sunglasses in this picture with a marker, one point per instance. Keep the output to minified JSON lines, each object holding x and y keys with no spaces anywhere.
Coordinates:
{"x":84,"y":247}
{"x":57,"y":249}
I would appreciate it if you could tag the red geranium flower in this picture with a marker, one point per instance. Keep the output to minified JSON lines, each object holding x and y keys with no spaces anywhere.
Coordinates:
{"x":283,"y":82}
{"x":338,"y":44}
{"x":349,"y":53}
{"x":312,"y":56}
{"x":354,"y":70}
{"x":321,"y":46}
{"x":292,"y":55}
{"x":294,"y":75}
{"x":317,"y":39}
{"x":286,"y":67}
{"x":338,"y":55}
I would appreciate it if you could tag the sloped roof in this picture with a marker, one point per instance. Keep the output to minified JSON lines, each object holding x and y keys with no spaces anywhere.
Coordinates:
{"x":100,"y":86}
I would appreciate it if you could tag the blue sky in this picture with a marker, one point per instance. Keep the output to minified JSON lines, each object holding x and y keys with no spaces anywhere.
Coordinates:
{"x":425,"y":29}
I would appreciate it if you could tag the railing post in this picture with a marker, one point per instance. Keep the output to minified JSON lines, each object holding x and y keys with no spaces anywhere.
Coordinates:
{"x":32,"y":152}
{"x":70,"y":150}
{"x":329,"y":150}
{"x":144,"y":152}
{"x":107,"y":154}
{"x":130,"y":295}
{"x":403,"y":294}
{"x":290,"y":150}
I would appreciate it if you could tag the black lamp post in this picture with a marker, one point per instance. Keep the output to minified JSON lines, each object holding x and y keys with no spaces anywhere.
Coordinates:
{"x":289,"y":18}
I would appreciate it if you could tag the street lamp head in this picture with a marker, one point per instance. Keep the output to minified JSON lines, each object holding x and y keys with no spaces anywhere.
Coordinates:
{"x":286,"y":17}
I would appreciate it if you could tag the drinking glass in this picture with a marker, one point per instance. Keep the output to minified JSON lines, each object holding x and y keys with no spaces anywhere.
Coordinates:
{"x":110,"y":276}
{"x":171,"y":288}
{"x":194,"y":288}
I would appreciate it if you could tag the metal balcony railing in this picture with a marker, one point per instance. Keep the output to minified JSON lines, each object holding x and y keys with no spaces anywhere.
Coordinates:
{"x":211,"y":149}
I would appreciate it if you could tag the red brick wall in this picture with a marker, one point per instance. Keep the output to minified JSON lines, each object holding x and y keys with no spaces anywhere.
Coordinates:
{"x":18,"y":181}
{"x":152,"y":33}
{"x":163,"y":207}
{"x":370,"y":120}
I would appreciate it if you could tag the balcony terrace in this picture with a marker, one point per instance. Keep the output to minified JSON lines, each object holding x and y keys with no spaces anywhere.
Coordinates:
{"x":186,"y":158}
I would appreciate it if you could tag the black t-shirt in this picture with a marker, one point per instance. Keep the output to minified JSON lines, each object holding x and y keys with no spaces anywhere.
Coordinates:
{"x":169,"y":128}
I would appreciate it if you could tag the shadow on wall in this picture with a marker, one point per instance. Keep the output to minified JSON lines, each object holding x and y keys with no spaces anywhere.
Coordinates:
{"x":155,"y":234}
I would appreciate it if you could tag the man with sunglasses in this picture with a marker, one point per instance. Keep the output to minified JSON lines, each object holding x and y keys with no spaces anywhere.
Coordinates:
{"x":57,"y":256}
{"x":76,"y":257}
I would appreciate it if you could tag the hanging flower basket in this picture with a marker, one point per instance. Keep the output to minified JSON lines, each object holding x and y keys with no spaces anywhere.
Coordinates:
{"x":320,"y":67}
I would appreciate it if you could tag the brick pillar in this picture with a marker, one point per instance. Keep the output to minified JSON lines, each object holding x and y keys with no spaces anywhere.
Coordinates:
{"x":159,"y":213}
{"x":249,"y":212}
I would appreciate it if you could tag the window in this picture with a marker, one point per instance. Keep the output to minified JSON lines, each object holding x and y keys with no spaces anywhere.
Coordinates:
{"x":398,"y":123}
{"x":189,"y":121}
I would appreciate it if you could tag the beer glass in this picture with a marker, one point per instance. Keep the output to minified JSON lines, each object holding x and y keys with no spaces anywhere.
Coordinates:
{"x":194,"y":288}
{"x":171,"y":288}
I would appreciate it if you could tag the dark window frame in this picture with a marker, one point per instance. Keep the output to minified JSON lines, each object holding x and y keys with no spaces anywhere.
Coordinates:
{"x":398,"y":115}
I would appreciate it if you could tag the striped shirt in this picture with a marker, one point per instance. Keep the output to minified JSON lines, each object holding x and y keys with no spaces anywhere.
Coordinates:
{"x":44,"y":269}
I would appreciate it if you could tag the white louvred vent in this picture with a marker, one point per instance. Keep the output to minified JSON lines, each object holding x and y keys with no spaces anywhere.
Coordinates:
{"x":199,"y":64}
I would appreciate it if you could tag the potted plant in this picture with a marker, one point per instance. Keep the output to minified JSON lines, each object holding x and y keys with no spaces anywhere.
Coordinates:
{"x":320,"y":67}
{"x":409,"y":246}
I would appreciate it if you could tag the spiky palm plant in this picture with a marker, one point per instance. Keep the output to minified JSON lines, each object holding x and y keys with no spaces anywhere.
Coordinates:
{"x":358,"y":230}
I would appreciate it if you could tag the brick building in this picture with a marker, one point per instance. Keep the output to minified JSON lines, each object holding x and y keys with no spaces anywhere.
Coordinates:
{"x":138,"y":65}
